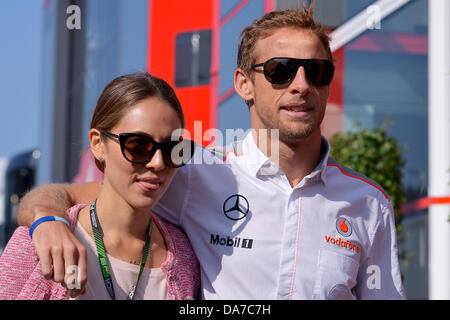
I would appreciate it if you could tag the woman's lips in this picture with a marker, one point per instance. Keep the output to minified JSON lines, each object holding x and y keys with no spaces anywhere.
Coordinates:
{"x":148,"y":185}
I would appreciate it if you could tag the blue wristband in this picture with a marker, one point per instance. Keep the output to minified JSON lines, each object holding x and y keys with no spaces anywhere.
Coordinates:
{"x":44,"y":219}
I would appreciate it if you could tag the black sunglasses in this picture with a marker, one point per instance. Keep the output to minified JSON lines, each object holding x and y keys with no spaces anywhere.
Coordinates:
{"x":138,"y":148}
{"x":281,"y":70}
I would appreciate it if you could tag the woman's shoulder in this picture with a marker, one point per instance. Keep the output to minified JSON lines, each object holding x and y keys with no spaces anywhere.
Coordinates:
{"x":177,"y":242}
{"x":20,"y":272}
{"x":20,"y":245}
{"x":181,"y":264}
{"x":17,"y":263}
{"x":73,"y":212}
{"x":169,"y":231}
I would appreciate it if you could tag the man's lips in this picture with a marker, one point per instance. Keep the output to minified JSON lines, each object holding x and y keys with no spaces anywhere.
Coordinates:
{"x":149,"y":184}
{"x":299,"y":110}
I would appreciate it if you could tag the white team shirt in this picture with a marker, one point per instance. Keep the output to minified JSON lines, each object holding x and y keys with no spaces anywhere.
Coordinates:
{"x":332,"y":236}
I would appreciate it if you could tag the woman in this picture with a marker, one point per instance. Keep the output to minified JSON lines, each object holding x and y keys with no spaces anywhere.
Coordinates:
{"x":131,"y":253}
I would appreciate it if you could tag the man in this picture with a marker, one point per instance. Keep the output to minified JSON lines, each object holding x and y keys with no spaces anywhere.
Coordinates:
{"x":267,"y":223}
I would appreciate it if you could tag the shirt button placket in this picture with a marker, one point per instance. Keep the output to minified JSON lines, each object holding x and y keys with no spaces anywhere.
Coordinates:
{"x":289,"y":250}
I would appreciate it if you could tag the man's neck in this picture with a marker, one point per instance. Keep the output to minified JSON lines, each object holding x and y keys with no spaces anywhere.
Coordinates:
{"x":297,"y":160}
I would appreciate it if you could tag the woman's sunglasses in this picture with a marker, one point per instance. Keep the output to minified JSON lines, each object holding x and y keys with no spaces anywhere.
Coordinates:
{"x":138,"y":148}
{"x":282,"y":70}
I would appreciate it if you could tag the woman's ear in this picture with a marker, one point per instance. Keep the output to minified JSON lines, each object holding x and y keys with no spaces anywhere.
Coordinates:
{"x":243,"y":86}
{"x":96,"y":144}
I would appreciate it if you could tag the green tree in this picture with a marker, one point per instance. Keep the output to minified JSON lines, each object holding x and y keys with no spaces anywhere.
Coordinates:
{"x":377,"y":156}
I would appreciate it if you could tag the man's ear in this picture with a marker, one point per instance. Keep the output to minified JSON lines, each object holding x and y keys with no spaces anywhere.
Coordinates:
{"x":243,"y":86}
{"x":96,"y":144}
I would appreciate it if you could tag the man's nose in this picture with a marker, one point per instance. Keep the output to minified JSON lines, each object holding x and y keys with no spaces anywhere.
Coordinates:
{"x":300,"y":83}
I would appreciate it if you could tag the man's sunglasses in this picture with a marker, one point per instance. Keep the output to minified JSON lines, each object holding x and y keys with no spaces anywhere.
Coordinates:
{"x":138,"y":148}
{"x":280,"y":70}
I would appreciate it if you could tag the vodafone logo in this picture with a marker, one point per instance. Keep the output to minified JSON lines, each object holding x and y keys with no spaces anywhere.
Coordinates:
{"x":344,"y":227}
{"x":342,"y":243}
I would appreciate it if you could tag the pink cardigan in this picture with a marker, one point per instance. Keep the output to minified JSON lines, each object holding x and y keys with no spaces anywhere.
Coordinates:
{"x":21,"y":277}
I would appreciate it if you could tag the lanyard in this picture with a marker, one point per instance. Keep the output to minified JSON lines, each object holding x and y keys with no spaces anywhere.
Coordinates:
{"x":103,"y":260}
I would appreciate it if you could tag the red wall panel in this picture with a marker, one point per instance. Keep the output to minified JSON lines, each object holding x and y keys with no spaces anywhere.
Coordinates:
{"x":167,"y":19}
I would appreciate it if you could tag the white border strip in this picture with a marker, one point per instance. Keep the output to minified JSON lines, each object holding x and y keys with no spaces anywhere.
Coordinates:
{"x":438,"y":147}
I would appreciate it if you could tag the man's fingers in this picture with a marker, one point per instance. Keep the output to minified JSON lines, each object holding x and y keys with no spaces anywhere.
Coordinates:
{"x":82,"y":267}
{"x":75,"y":292}
{"x":58,"y":265}
{"x":70,"y":267}
{"x":76,"y":271}
{"x":46,"y":264}
{"x":45,"y":256}
{"x":76,"y":275}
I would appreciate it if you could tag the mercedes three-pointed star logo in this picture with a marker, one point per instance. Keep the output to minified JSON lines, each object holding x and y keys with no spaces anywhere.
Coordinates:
{"x":235,"y":207}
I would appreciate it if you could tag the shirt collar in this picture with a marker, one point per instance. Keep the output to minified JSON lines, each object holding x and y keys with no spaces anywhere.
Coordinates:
{"x":325,"y":152}
{"x":258,"y":163}
{"x":256,"y":160}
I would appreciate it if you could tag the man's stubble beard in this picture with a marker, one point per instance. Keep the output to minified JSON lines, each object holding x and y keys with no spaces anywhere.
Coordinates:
{"x":291,"y":135}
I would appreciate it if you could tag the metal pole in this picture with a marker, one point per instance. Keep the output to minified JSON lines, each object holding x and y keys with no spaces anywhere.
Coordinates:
{"x":439,"y":147}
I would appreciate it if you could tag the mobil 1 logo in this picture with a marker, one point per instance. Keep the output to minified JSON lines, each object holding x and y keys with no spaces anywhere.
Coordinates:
{"x":235,"y":242}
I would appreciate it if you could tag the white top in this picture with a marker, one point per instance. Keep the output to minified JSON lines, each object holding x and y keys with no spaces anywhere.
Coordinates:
{"x":151,"y":286}
{"x":330,"y":237}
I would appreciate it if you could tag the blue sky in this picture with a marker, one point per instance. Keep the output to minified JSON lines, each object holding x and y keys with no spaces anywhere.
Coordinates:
{"x":20,"y":61}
